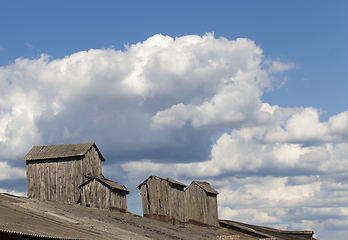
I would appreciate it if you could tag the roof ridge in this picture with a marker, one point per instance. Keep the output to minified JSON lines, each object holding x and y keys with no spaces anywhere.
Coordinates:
{"x":60,"y":151}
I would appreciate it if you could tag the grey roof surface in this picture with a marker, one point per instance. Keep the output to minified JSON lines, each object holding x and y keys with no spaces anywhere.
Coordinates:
{"x":166,"y":179}
{"x":60,"y":151}
{"x":108,"y":182}
{"x":54,"y":220}
{"x":206,"y":187}
{"x":266,"y":232}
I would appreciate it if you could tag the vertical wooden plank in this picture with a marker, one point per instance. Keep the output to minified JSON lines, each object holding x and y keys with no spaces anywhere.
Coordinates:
{"x":67,"y":182}
{"x":57,"y":182}
{"x":93,"y":194}
{"x":48,"y":181}
{"x":62,"y":181}
{"x":144,"y":200}
{"x":36,"y":180}
{"x":40,"y":172}
{"x":112,"y":197}
{"x":44,"y":180}
{"x":82,"y":196}
{"x":29,"y":179}
{"x":104,"y":196}
{"x":89,"y":193}
{"x":78,"y":179}
{"x":107,"y":198}
{"x":100,"y":189}
{"x":99,"y":193}
{"x":51,"y":181}
{"x":71,"y":182}
{"x":125,"y":206}
{"x":71,"y":191}
{"x":38,"y":177}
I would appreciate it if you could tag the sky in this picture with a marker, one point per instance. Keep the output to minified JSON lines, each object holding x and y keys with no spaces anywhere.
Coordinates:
{"x":247,"y":95}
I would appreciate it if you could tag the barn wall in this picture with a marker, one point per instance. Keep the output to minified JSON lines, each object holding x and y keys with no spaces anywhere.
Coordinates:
{"x":176,"y":202}
{"x":58,"y":179}
{"x":92,"y":164}
{"x":55,"y":180}
{"x":98,"y":195}
{"x":118,"y":199}
{"x":145,"y":198}
{"x":201,"y":206}
{"x":159,"y":197}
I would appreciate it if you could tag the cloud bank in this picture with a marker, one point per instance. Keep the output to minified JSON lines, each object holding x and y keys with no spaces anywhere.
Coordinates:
{"x":153,"y":108}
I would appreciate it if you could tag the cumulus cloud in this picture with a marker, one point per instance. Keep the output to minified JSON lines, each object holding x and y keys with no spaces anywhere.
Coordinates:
{"x":8,"y":172}
{"x":154,"y":95}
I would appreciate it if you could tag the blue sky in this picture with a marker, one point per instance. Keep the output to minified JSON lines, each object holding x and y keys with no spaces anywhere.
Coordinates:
{"x":165,"y":78}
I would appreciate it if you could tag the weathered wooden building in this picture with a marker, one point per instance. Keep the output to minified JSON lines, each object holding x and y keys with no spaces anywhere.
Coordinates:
{"x":201,"y":204}
{"x":104,"y":193}
{"x":163,"y":197}
{"x":55,"y":172}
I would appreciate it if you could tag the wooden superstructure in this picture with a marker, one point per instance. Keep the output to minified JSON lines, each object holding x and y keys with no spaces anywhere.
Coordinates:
{"x":163,"y":197}
{"x":201,"y":204}
{"x":55,"y":172}
{"x":104,"y":193}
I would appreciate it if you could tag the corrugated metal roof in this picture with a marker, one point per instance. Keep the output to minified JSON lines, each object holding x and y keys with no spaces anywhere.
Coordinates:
{"x":166,"y":179}
{"x":108,"y":182}
{"x":60,"y":151}
{"x":206,"y":187}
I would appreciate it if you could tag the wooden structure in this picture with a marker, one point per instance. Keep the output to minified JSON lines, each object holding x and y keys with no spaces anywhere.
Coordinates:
{"x":201,"y":204}
{"x":163,"y":197}
{"x":104,"y":193}
{"x":55,"y":172}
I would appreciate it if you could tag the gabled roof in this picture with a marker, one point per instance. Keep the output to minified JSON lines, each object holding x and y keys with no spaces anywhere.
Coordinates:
{"x":60,"y":151}
{"x":171,"y":181}
{"x":205,"y":186}
{"x":108,"y":182}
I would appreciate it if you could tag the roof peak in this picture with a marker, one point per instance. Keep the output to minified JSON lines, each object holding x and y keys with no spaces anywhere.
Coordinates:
{"x":60,"y":151}
{"x":205,"y":186}
{"x":166,"y":179}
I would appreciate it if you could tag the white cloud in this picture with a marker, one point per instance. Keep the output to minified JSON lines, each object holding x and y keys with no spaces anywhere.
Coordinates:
{"x":278,"y":67}
{"x":162,"y":82}
{"x":19,"y":194}
{"x":8,"y":172}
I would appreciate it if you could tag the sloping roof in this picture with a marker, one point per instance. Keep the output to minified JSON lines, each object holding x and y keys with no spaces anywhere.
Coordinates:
{"x":166,"y":179}
{"x":60,"y":151}
{"x":205,"y":186}
{"x":55,"y":220}
{"x":108,"y":182}
{"x":265,"y":232}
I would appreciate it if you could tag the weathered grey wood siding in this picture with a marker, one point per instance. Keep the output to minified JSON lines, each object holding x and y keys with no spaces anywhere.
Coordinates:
{"x":163,"y":198}
{"x":98,"y":195}
{"x":92,"y":163}
{"x":58,"y":179}
{"x":201,"y":206}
